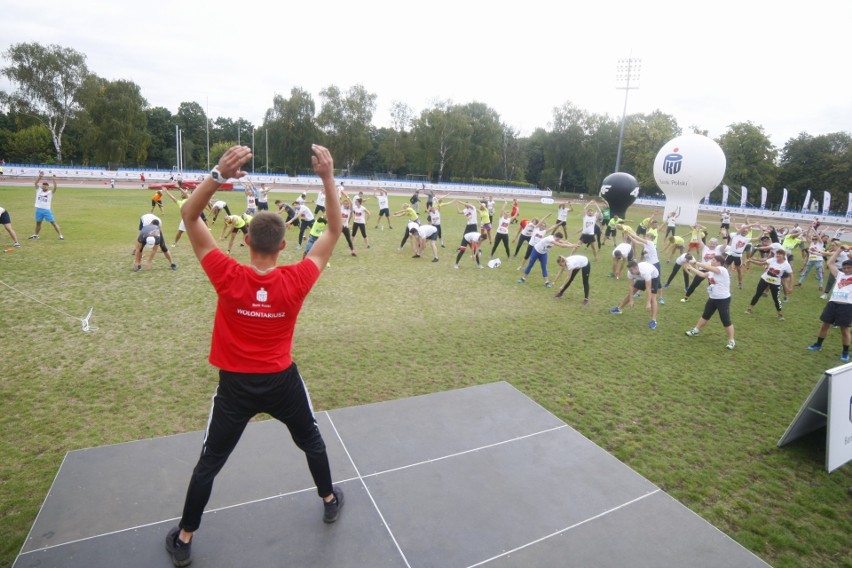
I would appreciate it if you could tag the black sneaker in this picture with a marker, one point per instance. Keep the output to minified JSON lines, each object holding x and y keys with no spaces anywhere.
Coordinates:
{"x":181,"y":552}
{"x":332,"y":510}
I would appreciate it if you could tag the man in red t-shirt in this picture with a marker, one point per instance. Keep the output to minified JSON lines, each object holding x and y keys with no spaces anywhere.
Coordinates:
{"x":260,"y":299}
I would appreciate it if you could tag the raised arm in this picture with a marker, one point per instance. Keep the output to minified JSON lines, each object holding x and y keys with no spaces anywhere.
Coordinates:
{"x":229,"y":167}
{"x":324,"y":246}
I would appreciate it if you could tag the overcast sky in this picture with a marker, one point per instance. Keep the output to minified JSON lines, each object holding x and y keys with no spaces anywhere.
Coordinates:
{"x":781,"y":65}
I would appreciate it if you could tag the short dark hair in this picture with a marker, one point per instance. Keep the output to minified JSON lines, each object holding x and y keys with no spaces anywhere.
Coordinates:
{"x":267,"y":232}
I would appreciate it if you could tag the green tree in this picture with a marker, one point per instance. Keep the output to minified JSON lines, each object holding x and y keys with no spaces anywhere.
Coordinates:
{"x":441,"y":133}
{"x":512,"y":167}
{"x":31,"y":145}
{"x":116,"y":124}
{"x":192,"y":121}
{"x":346,"y":121}
{"x":395,"y":147}
{"x":750,"y":158}
{"x":819,"y":163}
{"x":536,"y":164}
{"x":292,"y":129}
{"x":644,"y":135}
{"x":564,"y":152}
{"x":162,"y":150}
{"x":484,"y":142}
{"x":48,"y":80}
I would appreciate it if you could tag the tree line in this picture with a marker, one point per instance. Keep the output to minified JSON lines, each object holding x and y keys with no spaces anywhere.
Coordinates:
{"x":62,"y":113}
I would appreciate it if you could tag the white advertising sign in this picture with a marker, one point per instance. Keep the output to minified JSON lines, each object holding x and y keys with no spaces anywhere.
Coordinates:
{"x":830,"y":405}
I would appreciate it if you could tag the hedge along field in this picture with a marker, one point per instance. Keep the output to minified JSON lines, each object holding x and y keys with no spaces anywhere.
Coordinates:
{"x":696,"y":419}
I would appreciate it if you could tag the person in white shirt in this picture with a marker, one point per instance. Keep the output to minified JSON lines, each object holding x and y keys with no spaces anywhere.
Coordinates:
{"x":816,"y":258}
{"x":320,"y":203}
{"x":43,"y":211}
{"x":360,"y":216}
{"x":739,"y":244}
{"x":574,"y":264}
{"x":642,"y":276}
{"x":719,"y":290}
{"x":474,"y":240}
{"x":680,"y":262}
{"x":590,"y":225}
{"x":420,"y":235}
{"x":538,"y":232}
{"x":671,"y":222}
{"x":621,"y":255}
{"x":562,"y":217}
{"x":305,"y":219}
{"x":838,"y":311}
{"x":842,"y":256}
{"x":502,"y":235}
{"x":708,"y":251}
{"x":776,"y":268}
{"x":525,"y":231}
{"x":539,"y":254}
{"x":263,"y":198}
{"x":251,"y":198}
{"x":649,"y":255}
{"x":218,"y":206}
{"x":472,"y":219}
{"x":384,"y":207}
{"x":434,"y":216}
{"x":346,"y":214}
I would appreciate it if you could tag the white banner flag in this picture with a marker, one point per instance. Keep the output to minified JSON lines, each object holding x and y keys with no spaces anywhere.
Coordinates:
{"x":724,"y":195}
{"x":763,"y":194}
{"x":849,"y":207}
{"x":807,"y":201}
{"x":783,"y":206}
{"x":744,"y":196}
{"x":826,"y":202}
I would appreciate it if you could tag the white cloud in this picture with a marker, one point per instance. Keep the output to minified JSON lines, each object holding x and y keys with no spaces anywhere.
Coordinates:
{"x":708,"y":65}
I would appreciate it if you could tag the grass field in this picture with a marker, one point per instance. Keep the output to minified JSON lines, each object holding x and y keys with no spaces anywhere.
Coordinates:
{"x":696,"y":419}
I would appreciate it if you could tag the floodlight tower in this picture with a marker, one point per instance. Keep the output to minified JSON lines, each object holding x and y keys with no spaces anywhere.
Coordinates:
{"x":626,"y":77}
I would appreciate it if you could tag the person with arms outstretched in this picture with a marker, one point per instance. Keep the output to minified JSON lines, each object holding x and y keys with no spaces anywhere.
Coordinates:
{"x":256,"y":300}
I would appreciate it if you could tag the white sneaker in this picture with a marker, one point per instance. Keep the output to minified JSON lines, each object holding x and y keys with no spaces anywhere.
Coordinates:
{"x":823,"y":297}
{"x":693,"y":332}
{"x":731,"y":344}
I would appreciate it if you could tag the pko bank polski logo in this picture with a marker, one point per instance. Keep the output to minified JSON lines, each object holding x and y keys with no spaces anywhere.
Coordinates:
{"x":673,"y":163}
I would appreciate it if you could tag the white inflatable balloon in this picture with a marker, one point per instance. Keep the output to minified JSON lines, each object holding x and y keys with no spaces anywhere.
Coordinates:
{"x":687,"y":169}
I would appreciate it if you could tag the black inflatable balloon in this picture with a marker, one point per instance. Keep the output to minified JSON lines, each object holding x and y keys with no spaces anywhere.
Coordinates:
{"x":620,"y":190}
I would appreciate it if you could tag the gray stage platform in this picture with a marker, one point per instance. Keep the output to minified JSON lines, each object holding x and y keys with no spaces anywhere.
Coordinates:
{"x":481,"y":476}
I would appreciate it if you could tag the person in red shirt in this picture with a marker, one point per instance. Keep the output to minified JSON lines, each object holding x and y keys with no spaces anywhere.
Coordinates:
{"x":260,"y":300}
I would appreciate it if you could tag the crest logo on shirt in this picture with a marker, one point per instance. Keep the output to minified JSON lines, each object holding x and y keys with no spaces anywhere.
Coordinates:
{"x":261,"y":295}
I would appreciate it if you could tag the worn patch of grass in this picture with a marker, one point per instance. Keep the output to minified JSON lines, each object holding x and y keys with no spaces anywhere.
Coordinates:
{"x":697,"y":420}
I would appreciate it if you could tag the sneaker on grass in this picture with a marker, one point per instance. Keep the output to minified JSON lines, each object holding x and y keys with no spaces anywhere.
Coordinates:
{"x":693,"y":332}
{"x":814,"y":347}
{"x":615,"y":310}
{"x":731,"y":344}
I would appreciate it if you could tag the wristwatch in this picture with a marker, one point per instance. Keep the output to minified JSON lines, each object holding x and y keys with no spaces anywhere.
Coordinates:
{"x":217,"y":175}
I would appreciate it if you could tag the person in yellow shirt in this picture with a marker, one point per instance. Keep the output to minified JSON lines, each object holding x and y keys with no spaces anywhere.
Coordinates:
{"x":407,"y":211}
{"x":236,"y":224}
{"x":675,"y":245}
